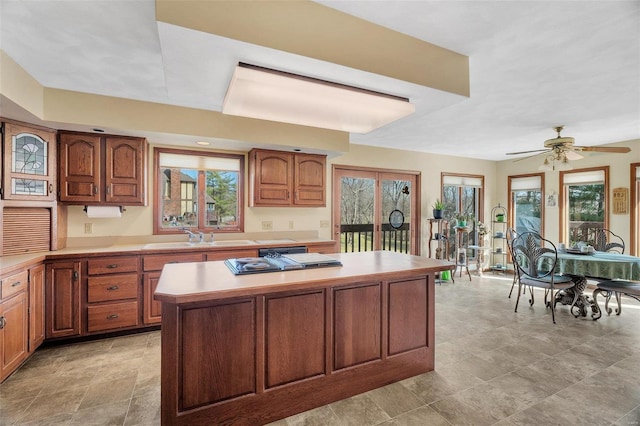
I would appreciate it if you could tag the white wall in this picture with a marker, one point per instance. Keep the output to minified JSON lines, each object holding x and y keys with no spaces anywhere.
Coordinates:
{"x":138,"y":221}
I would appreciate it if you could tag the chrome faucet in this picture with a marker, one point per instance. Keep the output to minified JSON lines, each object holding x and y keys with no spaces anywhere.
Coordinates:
{"x":192,"y":236}
{"x":201,"y":237}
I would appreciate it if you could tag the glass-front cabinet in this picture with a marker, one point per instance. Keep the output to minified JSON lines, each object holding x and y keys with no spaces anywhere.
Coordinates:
{"x":29,"y":156}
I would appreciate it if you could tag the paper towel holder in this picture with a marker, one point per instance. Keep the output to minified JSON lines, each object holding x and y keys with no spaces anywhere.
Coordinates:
{"x":122,"y":209}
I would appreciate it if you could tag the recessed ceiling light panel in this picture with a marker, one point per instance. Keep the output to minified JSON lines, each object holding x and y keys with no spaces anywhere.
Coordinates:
{"x":273,"y":95}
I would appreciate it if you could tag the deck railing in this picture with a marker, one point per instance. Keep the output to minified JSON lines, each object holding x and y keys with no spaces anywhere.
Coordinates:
{"x":583,"y":231}
{"x":359,"y":237}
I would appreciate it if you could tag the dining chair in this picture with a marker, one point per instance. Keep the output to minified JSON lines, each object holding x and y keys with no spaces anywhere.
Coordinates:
{"x":511,"y":234}
{"x":535,"y":260}
{"x":606,"y":240}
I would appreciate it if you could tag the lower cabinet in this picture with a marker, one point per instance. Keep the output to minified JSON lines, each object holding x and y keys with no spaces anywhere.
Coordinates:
{"x":14,"y":331}
{"x":36,"y":307}
{"x":112,"y":293}
{"x":63,"y":299}
{"x":152,"y":309}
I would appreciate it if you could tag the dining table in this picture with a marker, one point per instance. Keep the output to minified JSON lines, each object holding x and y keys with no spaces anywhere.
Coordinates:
{"x":598,"y":266}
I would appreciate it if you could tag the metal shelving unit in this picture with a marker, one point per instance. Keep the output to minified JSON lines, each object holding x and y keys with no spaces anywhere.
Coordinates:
{"x":499,"y":249}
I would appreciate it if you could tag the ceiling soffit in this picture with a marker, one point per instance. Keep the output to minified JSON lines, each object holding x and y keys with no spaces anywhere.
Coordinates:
{"x":316,"y":31}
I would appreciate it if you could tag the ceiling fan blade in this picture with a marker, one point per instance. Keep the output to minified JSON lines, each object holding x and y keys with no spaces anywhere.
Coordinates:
{"x":528,"y":156}
{"x":527,"y":152}
{"x":572,"y":155}
{"x":614,"y":149}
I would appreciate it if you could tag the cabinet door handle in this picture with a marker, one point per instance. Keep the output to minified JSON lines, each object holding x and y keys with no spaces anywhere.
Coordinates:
{"x":113,"y":287}
{"x":112,"y":316}
{"x":95,"y":189}
{"x":16,"y":284}
{"x":3,"y":322}
{"x":108,"y":190}
{"x":112,"y":266}
{"x":75,"y":275}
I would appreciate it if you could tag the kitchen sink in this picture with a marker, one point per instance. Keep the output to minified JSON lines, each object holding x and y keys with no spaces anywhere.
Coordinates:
{"x":173,"y":245}
{"x":230,"y":243}
{"x":187,"y":245}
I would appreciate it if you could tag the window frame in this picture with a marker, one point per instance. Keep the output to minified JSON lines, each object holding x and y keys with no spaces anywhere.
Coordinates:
{"x":634,"y":216}
{"x":563,"y":228}
{"x":511,"y":211}
{"x":158,"y":192}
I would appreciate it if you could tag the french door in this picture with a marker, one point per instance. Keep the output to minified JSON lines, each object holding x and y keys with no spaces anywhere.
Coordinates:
{"x":376,"y":209}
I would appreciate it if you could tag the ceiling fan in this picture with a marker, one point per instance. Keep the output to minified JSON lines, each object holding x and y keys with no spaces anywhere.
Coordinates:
{"x":563,"y":149}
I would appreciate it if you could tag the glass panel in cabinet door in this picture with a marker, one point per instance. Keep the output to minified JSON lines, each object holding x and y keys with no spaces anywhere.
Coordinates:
{"x":29,"y":156}
{"x":396,"y":215}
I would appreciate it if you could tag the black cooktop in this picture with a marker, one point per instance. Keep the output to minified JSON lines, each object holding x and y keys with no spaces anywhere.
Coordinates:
{"x":257,"y":265}
{"x":276,"y":262}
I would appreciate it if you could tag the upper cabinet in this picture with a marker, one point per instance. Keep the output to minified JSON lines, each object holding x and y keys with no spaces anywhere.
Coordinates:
{"x":286,"y":179}
{"x":29,"y":163}
{"x":101,"y":169}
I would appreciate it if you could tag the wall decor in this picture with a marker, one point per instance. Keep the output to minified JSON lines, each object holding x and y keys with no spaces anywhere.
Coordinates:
{"x":620,"y":200}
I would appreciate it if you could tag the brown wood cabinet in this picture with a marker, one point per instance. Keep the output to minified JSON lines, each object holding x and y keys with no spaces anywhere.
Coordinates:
{"x":101,"y":169}
{"x":36,"y":307}
{"x":14,"y":328}
{"x":112,"y":293}
{"x":63,"y":299}
{"x":29,"y":163}
{"x":279,"y":178}
{"x":152,"y":265}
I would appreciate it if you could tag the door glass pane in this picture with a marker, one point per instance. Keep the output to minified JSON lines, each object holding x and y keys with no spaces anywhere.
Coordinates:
{"x":527,"y":206}
{"x":356,"y":214}
{"x":396,"y":215}
{"x":586,"y":211}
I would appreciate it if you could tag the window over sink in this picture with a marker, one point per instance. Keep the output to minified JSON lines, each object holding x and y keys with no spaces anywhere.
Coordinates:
{"x":198,"y":190}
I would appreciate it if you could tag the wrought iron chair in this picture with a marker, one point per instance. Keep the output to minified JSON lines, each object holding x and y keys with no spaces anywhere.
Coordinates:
{"x":606,"y":240}
{"x":535,"y":262}
{"x":511,"y":235}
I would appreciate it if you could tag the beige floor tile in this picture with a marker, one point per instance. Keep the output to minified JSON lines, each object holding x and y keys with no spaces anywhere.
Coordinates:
{"x":422,"y":416}
{"x":322,"y":416}
{"x":107,"y":392}
{"x":395,"y":399}
{"x":102,"y":415}
{"x":144,"y":410}
{"x":54,"y":404}
{"x":457,"y":412}
{"x":359,"y":410}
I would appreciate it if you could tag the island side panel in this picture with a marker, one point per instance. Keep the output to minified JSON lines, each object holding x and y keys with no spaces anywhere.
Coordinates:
{"x":336,"y":315}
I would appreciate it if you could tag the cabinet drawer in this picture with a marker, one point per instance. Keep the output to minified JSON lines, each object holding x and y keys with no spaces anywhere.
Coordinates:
{"x":112,"y":265}
{"x":112,"y":315}
{"x":112,"y":287}
{"x":228,"y":254}
{"x":155,"y":262}
{"x":14,"y":284}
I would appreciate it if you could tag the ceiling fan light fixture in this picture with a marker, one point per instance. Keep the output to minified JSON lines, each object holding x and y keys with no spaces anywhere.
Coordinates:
{"x":268,"y":94}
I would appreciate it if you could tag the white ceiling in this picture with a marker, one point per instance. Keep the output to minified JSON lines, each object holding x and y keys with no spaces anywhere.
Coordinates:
{"x":533,"y":65}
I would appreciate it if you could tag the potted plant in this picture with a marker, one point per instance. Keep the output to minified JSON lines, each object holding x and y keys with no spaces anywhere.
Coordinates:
{"x":463,"y":217}
{"x":438,"y":207}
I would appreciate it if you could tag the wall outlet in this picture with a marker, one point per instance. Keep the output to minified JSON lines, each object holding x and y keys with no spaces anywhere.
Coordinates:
{"x":88,"y":228}
{"x":290,"y":224}
{"x":324,"y":224}
{"x":267,"y":225}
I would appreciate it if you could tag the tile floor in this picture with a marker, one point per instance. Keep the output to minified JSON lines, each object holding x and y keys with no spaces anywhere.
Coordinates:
{"x":493,"y":366}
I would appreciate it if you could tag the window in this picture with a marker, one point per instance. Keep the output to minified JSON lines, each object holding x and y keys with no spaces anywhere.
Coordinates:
{"x":188,"y":180}
{"x":463,"y":194}
{"x":526,"y":204}
{"x":584,"y":204}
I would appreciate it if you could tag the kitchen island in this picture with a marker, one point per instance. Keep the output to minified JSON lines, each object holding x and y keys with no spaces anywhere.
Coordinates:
{"x":255,"y":348}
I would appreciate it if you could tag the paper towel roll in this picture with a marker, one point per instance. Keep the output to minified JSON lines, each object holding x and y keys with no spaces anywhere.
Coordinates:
{"x":103,"y":211}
